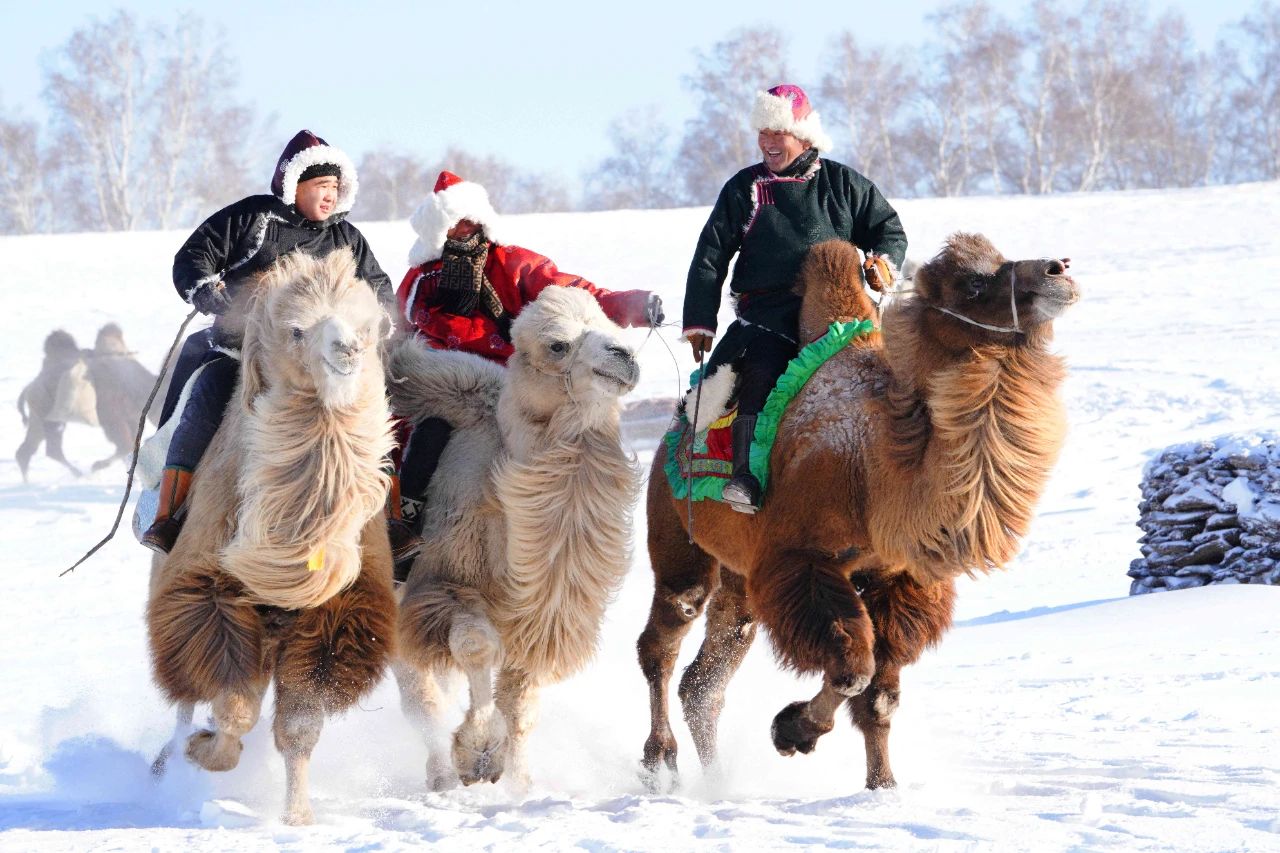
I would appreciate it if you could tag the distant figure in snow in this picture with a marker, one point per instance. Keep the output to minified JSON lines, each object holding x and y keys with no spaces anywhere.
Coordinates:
{"x":464,"y":288}
{"x":37,"y":400}
{"x":770,"y":215}
{"x":312,"y":190}
{"x":105,"y":386}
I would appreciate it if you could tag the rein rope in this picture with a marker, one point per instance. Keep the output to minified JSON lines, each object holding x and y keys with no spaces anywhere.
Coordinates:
{"x":137,"y":442}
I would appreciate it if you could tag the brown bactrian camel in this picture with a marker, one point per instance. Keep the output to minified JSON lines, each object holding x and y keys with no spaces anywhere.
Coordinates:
{"x":527,"y":527}
{"x":904,"y":462}
{"x":283,"y":568}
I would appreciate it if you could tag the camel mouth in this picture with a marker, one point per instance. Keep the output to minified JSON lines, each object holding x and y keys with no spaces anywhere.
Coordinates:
{"x":341,"y":369}
{"x":626,"y":383}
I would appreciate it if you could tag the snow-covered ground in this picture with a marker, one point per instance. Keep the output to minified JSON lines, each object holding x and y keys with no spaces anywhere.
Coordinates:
{"x":1058,"y":715}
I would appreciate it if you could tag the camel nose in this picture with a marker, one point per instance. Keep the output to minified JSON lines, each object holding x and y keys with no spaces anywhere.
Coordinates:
{"x":345,"y":349}
{"x":621,"y":352}
{"x":1055,"y":267}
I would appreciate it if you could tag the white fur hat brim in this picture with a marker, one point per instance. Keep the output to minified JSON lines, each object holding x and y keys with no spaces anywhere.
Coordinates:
{"x":443,"y":210}
{"x":773,"y":112}
{"x":348,"y":182}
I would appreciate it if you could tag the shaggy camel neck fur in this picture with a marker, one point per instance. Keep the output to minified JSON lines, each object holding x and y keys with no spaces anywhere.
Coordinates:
{"x":310,"y":471}
{"x":567,"y":490}
{"x":973,"y":436}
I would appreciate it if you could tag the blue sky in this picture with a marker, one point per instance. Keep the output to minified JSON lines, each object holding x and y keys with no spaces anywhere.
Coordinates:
{"x":534,"y":82}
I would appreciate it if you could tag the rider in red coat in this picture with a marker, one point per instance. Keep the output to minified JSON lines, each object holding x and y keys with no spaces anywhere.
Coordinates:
{"x":466,"y":285}
{"x":463,"y":289}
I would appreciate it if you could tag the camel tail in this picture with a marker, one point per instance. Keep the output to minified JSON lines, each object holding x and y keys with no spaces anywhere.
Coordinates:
{"x":459,"y":387}
{"x":22,"y":406}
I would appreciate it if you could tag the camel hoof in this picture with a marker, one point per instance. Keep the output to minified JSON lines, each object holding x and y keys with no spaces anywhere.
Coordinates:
{"x":794,"y":731}
{"x":885,"y":781}
{"x":657,"y":783}
{"x":850,"y":685}
{"x":301,"y":816}
{"x":481,"y":758}
{"x":203,"y":750}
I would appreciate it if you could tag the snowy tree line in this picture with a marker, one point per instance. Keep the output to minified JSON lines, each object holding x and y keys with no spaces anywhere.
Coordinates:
{"x":1066,"y":98}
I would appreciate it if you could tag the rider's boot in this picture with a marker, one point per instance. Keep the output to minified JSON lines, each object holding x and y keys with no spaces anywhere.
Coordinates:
{"x":175,"y":482}
{"x":742,"y":492}
{"x":405,"y":543}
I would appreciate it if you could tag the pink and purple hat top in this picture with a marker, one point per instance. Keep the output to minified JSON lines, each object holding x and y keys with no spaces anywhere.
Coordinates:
{"x":786,"y":107}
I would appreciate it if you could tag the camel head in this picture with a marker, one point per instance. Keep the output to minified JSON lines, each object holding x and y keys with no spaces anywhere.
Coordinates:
{"x":313,"y":327}
{"x":986,"y":297}
{"x":567,"y":350}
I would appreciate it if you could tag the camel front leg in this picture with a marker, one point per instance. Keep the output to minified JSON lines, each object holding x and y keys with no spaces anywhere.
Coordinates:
{"x":480,"y":743}
{"x":518,"y":701}
{"x":182,"y":728}
{"x":872,"y":711}
{"x":422,"y":702}
{"x":234,"y":714}
{"x":677,"y":600}
{"x":299,"y":720}
{"x":730,"y":632}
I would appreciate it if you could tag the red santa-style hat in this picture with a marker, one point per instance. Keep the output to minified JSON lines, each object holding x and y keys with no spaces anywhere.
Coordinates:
{"x":786,"y":107}
{"x":452,"y":200}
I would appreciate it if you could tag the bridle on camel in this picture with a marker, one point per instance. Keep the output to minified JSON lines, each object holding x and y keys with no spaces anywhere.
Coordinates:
{"x":1013,"y":307}
{"x":137,"y":441}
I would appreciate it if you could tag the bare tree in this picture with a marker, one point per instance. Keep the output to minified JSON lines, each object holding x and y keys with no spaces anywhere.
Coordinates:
{"x":718,"y":141}
{"x":25,"y":203}
{"x":637,"y":175}
{"x":1255,"y":93}
{"x":142,"y":118}
{"x":866,"y":95}
{"x":392,"y":184}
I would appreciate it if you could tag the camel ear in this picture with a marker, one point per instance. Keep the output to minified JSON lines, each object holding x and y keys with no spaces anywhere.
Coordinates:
{"x":253,"y":380}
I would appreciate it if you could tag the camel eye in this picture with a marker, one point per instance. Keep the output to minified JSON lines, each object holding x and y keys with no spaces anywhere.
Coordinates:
{"x":297,"y":333}
{"x":558,"y":347}
{"x":974,"y":286}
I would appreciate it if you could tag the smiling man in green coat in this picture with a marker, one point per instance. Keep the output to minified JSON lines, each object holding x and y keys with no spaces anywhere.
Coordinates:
{"x":769,"y":215}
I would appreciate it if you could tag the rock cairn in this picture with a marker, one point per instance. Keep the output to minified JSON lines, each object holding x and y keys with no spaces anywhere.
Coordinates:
{"x":1210,"y":513}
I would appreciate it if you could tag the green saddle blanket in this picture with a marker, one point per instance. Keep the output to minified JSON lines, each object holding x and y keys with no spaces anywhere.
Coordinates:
{"x":704,"y":462}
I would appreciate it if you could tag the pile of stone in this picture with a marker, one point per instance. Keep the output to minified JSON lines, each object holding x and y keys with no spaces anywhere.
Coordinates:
{"x":1210,"y":513}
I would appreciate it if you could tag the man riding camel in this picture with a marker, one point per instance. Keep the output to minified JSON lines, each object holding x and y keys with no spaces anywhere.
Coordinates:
{"x":769,"y":215}
{"x":312,"y":190}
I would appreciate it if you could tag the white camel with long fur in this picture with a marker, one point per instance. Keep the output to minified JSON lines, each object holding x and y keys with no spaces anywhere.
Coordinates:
{"x":527,"y":526}
{"x":283,"y":570}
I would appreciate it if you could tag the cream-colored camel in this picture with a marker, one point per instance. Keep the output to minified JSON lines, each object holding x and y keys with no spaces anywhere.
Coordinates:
{"x":527,"y":526}
{"x":283,"y":568}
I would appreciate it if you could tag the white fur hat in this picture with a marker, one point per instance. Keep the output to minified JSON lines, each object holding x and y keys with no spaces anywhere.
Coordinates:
{"x":304,"y":150}
{"x":452,"y":200}
{"x":786,"y":107}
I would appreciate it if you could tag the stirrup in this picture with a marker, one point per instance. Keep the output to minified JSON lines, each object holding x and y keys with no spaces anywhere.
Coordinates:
{"x":739,"y":497}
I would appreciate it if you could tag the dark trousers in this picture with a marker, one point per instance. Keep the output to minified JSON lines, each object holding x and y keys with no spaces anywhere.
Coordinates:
{"x":191,"y":356}
{"x":765,"y":359}
{"x":205,"y":408}
{"x":421,"y":456}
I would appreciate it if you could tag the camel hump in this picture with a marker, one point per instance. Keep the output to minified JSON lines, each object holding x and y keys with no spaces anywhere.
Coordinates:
{"x":835,"y":261}
{"x":830,"y":284}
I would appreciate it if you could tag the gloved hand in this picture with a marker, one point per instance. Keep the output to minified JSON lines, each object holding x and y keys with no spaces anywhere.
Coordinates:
{"x":878,"y":272}
{"x":211,"y":298}
{"x":653,"y":311}
{"x":701,"y":343}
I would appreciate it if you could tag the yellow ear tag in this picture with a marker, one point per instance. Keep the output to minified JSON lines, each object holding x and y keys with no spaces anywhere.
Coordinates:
{"x":316,"y":561}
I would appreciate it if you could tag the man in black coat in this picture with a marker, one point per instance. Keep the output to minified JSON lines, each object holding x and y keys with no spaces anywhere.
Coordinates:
{"x":770,"y":215}
{"x":312,"y":190}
